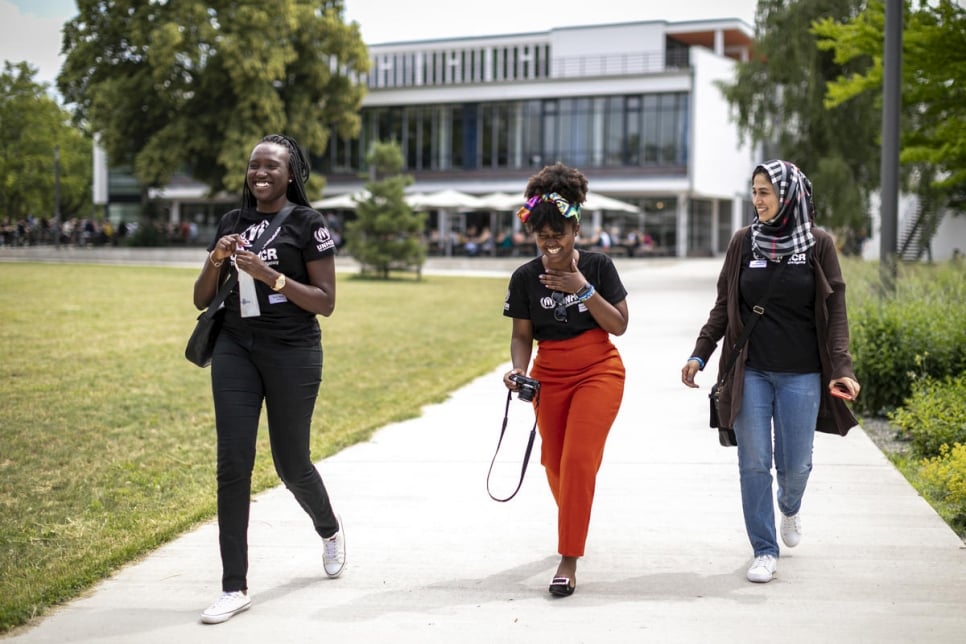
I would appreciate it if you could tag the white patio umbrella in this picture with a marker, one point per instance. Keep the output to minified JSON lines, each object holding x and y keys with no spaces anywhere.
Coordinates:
{"x":600,"y":202}
{"x":445,"y":201}
{"x":347,"y":201}
{"x":502,"y":201}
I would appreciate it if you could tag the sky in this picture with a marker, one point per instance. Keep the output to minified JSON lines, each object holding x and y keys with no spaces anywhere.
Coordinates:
{"x":31,"y":29}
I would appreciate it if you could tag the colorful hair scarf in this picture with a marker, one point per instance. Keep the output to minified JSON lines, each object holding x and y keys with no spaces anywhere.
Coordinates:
{"x":566,"y":208}
{"x":790,"y":232}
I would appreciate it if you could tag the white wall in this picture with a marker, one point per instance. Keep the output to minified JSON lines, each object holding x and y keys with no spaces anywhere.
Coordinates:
{"x":950,"y":236}
{"x":720,"y":166}
{"x":629,"y":38}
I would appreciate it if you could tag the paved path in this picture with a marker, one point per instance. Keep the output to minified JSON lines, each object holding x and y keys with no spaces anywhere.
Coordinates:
{"x":433,"y":559}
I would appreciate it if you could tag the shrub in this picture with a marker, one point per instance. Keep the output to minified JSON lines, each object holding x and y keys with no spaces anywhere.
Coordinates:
{"x":920,"y":330}
{"x":944,"y":480}
{"x":934,"y":416}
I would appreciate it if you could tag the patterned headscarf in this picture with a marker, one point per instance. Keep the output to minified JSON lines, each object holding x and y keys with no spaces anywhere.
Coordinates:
{"x":790,"y":232}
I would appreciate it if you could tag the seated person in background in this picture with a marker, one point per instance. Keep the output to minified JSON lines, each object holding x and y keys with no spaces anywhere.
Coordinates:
{"x":471,"y":245}
{"x":604,"y":239}
{"x":485,"y":241}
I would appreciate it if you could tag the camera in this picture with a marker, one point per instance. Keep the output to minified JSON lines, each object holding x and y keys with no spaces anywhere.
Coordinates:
{"x":528,"y":387}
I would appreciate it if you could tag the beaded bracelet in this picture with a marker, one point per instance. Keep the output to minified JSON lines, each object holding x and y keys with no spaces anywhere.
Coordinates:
{"x":586,"y":293}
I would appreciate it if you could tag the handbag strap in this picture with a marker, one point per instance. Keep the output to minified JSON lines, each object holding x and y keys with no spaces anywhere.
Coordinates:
{"x":758,"y":311}
{"x":526,"y":455}
{"x":229,"y":283}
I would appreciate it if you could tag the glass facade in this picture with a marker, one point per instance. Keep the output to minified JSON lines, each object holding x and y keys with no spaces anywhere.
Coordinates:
{"x":604,"y":131}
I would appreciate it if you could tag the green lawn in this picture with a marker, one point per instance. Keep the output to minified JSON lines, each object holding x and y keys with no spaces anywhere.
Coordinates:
{"x":107,"y":432}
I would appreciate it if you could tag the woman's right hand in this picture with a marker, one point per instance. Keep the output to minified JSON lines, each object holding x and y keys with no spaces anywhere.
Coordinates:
{"x":512,"y":386}
{"x":226,"y":246}
{"x":688,"y":371}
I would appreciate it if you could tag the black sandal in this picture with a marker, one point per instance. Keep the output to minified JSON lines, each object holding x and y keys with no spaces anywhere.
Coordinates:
{"x":562,"y":587}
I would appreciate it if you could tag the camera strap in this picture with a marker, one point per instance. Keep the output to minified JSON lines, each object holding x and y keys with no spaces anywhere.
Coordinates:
{"x":526,"y":455}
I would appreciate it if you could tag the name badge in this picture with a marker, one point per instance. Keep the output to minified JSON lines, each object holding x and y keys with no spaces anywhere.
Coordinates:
{"x":758,"y":263}
{"x":247,"y":295}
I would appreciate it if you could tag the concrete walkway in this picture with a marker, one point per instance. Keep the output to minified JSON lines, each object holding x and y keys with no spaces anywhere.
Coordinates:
{"x":433,"y":559}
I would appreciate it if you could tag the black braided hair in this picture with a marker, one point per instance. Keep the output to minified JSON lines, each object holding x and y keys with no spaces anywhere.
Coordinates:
{"x":298,"y":170}
{"x":568,"y":182}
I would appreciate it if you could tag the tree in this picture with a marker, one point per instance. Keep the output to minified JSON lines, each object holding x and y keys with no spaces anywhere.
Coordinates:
{"x":933,"y":130}
{"x":778,"y":98}
{"x":32,"y":127}
{"x":191,"y":85}
{"x":386,"y":232}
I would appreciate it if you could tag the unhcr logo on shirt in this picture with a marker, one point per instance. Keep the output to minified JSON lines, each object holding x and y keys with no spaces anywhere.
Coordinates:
{"x":324,"y":238}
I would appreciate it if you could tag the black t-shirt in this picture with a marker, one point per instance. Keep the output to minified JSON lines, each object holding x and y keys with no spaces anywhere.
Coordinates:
{"x":785,"y":338}
{"x":302,"y":238}
{"x":528,"y":299}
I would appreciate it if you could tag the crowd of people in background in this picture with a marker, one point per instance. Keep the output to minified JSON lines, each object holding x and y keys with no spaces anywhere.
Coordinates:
{"x":474,"y":241}
{"x":87,"y":232}
{"x":480,"y":242}
{"x":31,"y":231}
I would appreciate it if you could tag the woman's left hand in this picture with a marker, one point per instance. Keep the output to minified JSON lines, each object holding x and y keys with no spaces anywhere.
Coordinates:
{"x":853,"y":387}
{"x":564,"y":281}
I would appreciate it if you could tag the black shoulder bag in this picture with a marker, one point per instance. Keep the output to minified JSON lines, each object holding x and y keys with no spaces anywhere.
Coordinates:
{"x":726,"y":435}
{"x":201,"y":344}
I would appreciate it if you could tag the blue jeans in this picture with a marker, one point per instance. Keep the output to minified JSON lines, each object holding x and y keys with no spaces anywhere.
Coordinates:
{"x":790,"y":401}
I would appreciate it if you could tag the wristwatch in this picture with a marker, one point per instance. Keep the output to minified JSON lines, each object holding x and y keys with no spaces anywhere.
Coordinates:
{"x":279,"y":282}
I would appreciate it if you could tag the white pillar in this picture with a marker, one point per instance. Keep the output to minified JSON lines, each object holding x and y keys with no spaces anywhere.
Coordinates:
{"x":682,"y":225}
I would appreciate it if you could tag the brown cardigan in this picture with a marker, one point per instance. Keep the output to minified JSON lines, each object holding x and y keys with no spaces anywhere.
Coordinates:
{"x":831,"y":324}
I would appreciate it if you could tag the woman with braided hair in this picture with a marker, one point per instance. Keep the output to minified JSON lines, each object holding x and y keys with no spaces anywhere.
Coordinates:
{"x":570,"y":302}
{"x":269,"y":350}
{"x":790,"y":376}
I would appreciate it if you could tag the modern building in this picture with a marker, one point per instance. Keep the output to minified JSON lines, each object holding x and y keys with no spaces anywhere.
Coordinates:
{"x":635,"y":106}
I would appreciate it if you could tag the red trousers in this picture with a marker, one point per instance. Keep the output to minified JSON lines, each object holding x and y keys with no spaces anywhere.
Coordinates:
{"x":581,"y":386}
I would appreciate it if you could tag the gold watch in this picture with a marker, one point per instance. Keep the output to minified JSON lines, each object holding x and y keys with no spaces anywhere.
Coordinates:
{"x":279,"y":282}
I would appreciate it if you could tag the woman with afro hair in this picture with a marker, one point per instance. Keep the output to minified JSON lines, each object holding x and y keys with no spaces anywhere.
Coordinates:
{"x":570,"y":302}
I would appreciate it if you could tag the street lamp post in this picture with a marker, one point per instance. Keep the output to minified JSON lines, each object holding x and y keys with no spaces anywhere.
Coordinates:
{"x":57,"y":226}
{"x":889,"y":178}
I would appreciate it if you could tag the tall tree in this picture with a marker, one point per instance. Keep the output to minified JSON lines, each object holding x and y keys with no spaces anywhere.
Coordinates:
{"x":778,"y":98}
{"x":32,"y":127}
{"x":191,"y":85}
{"x":933,"y":131}
{"x":386,"y":232}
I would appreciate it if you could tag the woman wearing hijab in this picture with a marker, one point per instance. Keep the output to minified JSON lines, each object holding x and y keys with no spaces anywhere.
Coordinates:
{"x":795,"y":369}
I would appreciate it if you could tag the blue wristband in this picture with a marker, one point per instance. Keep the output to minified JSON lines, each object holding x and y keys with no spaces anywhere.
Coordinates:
{"x":700,"y":361}
{"x":586,"y":293}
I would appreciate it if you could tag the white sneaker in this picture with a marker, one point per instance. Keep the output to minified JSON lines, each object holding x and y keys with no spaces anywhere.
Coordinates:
{"x":225,"y":607}
{"x":762,"y":569}
{"x":333,"y":552}
{"x":791,"y":530}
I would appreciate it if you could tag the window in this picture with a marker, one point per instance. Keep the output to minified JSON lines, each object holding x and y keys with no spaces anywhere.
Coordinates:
{"x":602,"y":131}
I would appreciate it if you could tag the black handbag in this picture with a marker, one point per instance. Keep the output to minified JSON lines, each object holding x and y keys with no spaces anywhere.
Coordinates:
{"x":201,"y":344}
{"x":726,"y":435}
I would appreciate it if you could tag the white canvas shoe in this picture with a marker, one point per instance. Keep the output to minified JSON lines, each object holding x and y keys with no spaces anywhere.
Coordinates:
{"x":762,"y":569}
{"x":226,"y":607}
{"x":333,"y":553}
{"x":792,"y":529}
